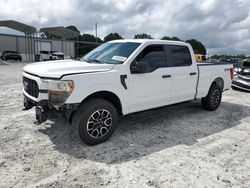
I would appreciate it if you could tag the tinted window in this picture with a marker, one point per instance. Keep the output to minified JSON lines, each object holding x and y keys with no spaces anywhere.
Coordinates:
{"x":246,"y":63}
{"x":154,"y":55}
{"x":179,"y":55}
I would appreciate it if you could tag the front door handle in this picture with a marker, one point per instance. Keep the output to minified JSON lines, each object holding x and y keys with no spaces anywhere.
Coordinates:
{"x":166,"y":76}
{"x":192,"y":73}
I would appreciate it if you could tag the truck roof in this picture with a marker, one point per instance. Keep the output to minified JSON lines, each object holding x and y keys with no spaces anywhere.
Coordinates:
{"x":150,"y":41}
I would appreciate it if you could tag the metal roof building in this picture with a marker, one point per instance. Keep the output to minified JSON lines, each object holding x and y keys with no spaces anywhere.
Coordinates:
{"x":28,"y":31}
{"x":30,"y":44}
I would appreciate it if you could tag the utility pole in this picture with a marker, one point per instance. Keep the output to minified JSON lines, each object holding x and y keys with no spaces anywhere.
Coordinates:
{"x":96,"y":32}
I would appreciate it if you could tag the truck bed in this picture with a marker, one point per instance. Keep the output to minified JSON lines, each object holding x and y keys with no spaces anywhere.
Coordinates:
{"x":208,"y":72}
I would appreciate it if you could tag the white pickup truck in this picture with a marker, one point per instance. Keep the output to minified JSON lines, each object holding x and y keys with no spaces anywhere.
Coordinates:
{"x":118,"y":78}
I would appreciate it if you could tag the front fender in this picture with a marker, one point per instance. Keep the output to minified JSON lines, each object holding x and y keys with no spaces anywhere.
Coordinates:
{"x":80,"y":94}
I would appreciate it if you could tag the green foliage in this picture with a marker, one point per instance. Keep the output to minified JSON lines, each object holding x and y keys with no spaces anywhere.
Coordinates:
{"x":83,"y":49}
{"x":198,"y":47}
{"x":89,"y":38}
{"x":171,"y":38}
{"x":143,"y":36}
{"x":51,"y":36}
{"x":112,"y":36}
{"x":73,"y":28}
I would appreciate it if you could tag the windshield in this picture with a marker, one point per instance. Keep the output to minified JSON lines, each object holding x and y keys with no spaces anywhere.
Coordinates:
{"x":246,"y":68}
{"x":246,"y":64}
{"x":111,"y":53}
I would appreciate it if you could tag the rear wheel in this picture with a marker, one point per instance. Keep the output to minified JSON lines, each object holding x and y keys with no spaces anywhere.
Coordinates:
{"x":213,"y":99}
{"x":95,"y":121}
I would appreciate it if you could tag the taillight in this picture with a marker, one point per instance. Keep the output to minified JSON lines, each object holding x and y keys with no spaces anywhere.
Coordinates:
{"x":232,"y":73}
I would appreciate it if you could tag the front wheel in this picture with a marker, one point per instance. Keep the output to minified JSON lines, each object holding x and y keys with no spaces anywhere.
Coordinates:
{"x":95,"y":121}
{"x":213,"y":99}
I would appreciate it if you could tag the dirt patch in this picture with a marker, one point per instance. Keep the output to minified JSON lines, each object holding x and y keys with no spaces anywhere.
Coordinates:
{"x":176,"y":146}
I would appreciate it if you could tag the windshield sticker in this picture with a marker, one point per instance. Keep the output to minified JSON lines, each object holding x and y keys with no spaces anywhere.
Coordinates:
{"x":119,"y":58}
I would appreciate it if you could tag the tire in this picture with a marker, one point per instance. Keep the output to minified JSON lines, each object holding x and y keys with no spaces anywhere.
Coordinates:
{"x":234,"y":88}
{"x":95,"y":121}
{"x":213,"y":99}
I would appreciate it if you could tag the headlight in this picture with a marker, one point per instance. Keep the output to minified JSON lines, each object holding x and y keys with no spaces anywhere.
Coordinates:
{"x":235,"y":78}
{"x":59,"y":91}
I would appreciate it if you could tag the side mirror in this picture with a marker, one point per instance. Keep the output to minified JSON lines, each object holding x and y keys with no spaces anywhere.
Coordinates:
{"x":140,"y":67}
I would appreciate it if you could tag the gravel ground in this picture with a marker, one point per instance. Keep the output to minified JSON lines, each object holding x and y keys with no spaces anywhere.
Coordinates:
{"x":175,"y":146}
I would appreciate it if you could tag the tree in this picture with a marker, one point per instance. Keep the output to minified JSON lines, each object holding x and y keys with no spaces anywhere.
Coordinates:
{"x":73,"y":28}
{"x":143,"y":36}
{"x":51,"y":36}
{"x":198,"y":47}
{"x":171,"y":38}
{"x":112,"y":36}
{"x":89,"y":38}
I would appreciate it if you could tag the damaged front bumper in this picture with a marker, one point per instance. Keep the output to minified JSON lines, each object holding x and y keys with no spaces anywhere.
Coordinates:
{"x":44,"y":110}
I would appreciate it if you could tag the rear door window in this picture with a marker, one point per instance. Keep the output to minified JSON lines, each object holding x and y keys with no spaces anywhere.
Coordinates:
{"x":178,"y":55}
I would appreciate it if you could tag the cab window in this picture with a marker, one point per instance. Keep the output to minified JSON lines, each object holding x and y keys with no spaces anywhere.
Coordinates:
{"x":178,"y":55}
{"x":154,"y":56}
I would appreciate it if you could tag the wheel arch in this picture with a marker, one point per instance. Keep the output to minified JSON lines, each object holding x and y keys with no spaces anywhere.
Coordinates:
{"x":109,"y":96}
{"x":106,"y":95}
{"x":220,"y":82}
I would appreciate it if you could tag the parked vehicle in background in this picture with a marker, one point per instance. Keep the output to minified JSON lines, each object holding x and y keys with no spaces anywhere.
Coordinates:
{"x":56,"y":56}
{"x":212,"y":60}
{"x":122,"y":77}
{"x":44,"y":55}
{"x":236,"y":62}
{"x":11,"y":55}
{"x":222,"y":60}
{"x":241,"y":78}
{"x":200,"y":57}
{"x":51,"y":55}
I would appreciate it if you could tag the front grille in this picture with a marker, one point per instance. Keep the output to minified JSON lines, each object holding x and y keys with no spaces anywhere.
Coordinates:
{"x":245,"y":78}
{"x":31,"y":87}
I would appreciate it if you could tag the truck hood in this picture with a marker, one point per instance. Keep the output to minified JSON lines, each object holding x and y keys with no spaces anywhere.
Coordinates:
{"x":57,"y":69}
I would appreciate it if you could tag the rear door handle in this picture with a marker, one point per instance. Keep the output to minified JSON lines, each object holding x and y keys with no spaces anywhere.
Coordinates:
{"x":166,"y":76}
{"x":192,"y":73}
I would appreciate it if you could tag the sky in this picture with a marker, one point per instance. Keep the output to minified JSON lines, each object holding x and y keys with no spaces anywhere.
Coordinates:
{"x":223,"y":26}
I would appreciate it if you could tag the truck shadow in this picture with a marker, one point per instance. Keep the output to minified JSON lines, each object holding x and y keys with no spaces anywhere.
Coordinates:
{"x":148,"y":132}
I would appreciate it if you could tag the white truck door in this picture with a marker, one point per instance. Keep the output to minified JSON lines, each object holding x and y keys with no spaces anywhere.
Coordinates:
{"x":184,"y":73}
{"x":151,"y":88}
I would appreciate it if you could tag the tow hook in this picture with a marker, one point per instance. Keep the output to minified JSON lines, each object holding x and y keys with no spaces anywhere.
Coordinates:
{"x":41,"y":114}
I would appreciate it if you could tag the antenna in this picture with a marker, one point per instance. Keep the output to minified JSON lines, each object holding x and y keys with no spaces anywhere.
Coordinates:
{"x":96,"y":32}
